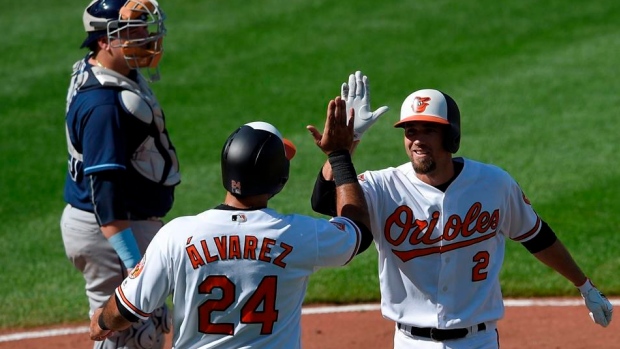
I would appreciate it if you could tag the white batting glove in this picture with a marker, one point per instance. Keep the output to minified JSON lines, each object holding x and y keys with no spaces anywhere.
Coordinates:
{"x":600,"y":307}
{"x":356,"y":94}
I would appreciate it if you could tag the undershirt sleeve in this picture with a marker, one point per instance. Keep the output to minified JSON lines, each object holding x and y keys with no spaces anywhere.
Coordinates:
{"x":324,"y":196}
{"x":545,"y":238}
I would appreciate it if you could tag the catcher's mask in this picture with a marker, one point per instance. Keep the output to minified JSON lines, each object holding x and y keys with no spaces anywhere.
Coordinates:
{"x":434,"y":106}
{"x":138,"y":25}
{"x":256,"y":160}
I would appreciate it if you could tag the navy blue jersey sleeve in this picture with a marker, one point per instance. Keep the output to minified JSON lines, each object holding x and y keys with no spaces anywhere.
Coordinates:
{"x":103,"y":140}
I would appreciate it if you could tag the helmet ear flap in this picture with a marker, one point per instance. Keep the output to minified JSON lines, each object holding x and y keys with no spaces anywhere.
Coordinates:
{"x":452,"y":137}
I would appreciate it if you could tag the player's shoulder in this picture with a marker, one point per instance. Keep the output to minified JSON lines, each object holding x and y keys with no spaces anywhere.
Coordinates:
{"x":482,"y":169}
{"x":388,"y":172}
{"x":180,"y":224}
{"x":88,"y":100}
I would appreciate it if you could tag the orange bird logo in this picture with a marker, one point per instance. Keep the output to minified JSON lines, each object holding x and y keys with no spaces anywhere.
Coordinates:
{"x":137,"y":270}
{"x":420,"y":103}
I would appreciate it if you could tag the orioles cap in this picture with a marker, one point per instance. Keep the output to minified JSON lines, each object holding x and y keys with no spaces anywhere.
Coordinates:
{"x":427,"y":105}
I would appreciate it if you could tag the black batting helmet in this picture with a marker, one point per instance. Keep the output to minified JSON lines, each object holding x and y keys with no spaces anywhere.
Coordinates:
{"x":255,"y":160}
{"x":434,"y":106}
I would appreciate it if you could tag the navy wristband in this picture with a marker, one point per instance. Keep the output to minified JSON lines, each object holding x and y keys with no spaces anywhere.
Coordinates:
{"x":342,"y":167}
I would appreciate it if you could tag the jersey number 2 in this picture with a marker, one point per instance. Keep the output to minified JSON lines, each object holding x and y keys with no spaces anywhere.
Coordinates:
{"x":265,"y":294}
{"x":478,"y":273}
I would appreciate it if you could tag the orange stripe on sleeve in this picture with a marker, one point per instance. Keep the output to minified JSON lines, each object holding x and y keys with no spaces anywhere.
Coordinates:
{"x":531,"y":232}
{"x":129,"y":305}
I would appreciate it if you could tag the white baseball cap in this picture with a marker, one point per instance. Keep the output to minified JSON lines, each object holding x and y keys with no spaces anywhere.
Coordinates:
{"x":427,"y":105}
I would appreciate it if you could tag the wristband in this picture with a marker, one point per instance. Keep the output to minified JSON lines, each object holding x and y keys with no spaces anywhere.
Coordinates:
{"x":342,"y":167}
{"x":126,"y":247}
{"x":102,"y":324}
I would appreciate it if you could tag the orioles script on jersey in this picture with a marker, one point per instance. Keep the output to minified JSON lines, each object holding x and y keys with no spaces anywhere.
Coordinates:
{"x":232,"y":247}
{"x":473,"y":228}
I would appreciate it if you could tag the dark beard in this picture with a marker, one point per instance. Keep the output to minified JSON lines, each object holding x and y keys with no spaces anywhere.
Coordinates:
{"x":425,"y":166}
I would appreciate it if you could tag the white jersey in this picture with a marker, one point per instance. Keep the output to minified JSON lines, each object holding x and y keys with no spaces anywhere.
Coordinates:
{"x":440,"y":253}
{"x":238,"y":277}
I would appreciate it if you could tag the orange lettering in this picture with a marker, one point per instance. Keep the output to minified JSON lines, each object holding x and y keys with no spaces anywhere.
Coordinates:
{"x":279,"y":261}
{"x":194,"y":256}
{"x":453,"y":224}
{"x":394,"y":219}
{"x":249,"y":251}
{"x":205,"y":250}
{"x":220,"y":243}
{"x":234,"y":247}
{"x":266,"y":248}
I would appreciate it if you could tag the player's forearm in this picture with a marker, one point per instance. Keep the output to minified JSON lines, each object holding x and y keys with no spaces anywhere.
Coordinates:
{"x":120,"y":236}
{"x":327,"y":168}
{"x":351,"y":203}
{"x":111,"y":317}
{"x":113,"y":228}
{"x":350,"y":200}
{"x":559,"y":259}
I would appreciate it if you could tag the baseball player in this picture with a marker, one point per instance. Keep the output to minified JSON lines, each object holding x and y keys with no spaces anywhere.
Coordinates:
{"x":238,"y":272}
{"x":122,"y":167}
{"x":440,"y":224}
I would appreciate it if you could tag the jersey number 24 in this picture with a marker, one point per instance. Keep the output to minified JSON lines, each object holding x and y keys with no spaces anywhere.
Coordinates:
{"x":264,"y":294}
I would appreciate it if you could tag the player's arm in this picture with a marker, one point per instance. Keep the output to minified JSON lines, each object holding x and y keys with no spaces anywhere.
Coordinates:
{"x":548,"y":249}
{"x":111,"y":213}
{"x":104,"y":157}
{"x":356,"y":95}
{"x":110,"y":318}
{"x":336,"y":142}
{"x":323,"y":198}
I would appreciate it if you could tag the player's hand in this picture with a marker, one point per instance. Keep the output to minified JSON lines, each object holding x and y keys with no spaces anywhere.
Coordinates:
{"x":338,"y":131}
{"x":600,"y":307}
{"x":356,"y":93}
{"x":96,"y":332}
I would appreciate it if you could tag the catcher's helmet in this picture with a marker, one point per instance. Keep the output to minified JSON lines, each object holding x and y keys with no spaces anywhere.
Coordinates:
{"x":109,"y":17}
{"x":434,"y":106}
{"x":255,"y":160}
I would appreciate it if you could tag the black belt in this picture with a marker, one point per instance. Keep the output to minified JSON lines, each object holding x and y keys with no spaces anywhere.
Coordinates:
{"x":439,"y":334}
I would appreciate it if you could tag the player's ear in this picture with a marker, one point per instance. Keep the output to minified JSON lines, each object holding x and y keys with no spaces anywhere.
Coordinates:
{"x":102,"y":43}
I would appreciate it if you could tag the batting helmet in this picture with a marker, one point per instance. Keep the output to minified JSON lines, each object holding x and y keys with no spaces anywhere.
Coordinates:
{"x":255,"y":160}
{"x":434,"y":106}
{"x":109,"y":17}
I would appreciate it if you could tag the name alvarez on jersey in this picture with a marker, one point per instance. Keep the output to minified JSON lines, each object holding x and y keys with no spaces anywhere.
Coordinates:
{"x":232,"y":247}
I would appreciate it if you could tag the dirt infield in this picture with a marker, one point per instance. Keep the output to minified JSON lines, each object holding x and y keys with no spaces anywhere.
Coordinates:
{"x":549,"y":327}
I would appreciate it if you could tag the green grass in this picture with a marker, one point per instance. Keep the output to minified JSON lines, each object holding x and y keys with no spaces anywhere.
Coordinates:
{"x":536,"y":83}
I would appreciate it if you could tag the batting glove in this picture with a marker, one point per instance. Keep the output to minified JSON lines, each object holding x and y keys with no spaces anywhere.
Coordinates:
{"x":600,"y":307}
{"x":356,"y":93}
